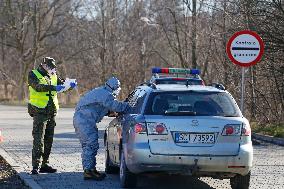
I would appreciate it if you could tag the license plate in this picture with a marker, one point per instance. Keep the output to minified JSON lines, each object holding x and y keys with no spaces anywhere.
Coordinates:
{"x":195,"y":138}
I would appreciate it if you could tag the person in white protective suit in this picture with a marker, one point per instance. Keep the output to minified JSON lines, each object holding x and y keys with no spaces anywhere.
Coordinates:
{"x":90,"y":110}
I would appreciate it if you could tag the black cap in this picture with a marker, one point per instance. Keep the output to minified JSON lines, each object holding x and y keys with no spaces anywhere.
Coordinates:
{"x":50,"y":62}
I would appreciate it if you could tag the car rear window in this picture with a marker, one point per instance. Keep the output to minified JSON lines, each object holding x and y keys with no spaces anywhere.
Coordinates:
{"x":191,"y":103}
{"x":179,"y":81}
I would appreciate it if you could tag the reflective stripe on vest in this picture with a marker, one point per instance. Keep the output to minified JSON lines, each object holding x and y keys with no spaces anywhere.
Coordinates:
{"x":40,"y":99}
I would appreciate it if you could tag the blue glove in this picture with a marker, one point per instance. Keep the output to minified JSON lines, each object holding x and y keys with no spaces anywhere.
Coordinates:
{"x":73,"y":84}
{"x":59,"y":87}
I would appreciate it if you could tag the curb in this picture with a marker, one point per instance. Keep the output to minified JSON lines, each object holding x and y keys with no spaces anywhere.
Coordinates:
{"x":28,"y":179}
{"x":270,"y":139}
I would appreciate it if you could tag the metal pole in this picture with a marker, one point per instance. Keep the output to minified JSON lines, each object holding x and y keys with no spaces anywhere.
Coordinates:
{"x":242,"y":89}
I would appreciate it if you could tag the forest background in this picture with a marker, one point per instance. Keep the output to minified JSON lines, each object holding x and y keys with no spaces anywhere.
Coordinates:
{"x":94,"y":39}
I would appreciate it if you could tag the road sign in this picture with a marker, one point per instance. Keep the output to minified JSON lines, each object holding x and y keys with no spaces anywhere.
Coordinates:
{"x":245,"y":48}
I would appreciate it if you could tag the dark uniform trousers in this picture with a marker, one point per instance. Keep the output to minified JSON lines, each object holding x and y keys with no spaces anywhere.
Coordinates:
{"x":43,"y":131}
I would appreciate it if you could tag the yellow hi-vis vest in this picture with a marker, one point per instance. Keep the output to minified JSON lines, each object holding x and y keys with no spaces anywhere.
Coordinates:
{"x":40,"y":99}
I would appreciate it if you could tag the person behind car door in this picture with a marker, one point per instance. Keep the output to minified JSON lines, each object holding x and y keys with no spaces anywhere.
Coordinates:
{"x":90,"y":110}
{"x":43,"y":105}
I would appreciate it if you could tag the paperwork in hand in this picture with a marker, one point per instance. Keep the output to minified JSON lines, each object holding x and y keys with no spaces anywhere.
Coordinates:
{"x":67,"y":84}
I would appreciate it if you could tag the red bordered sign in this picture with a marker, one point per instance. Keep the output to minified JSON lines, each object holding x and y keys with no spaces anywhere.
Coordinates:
{"x":245,"y":48}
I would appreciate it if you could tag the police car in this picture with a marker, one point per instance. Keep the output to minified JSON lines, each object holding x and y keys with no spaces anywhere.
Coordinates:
{"x":176,"y":76}
{"x":191,"y":130}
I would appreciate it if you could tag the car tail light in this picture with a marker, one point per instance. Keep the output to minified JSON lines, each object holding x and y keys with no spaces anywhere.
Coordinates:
{"x":140,"y":128}
{"x":246,"y":131}
{"x":157,"y":129}
{"x":231,"y":130}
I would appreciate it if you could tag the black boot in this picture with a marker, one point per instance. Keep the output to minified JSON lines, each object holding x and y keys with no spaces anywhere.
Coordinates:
{"x":47,"y":169}
{"x":101,"y":173}
{"x":93,"y":174}
{"x":34,"y":171}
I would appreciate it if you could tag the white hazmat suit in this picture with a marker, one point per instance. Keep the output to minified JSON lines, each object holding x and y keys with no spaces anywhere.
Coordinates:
{"x":91,"y":109}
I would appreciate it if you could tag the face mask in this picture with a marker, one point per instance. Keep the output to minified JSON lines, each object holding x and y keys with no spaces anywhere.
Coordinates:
{"x":52,"y":72}
{"x":116,"y":92}
{"x":48,"y":70}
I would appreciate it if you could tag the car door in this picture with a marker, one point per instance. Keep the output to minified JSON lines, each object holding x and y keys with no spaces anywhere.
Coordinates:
{"x":111,"y":138}
{"x":117,"y":128}
{"x":126,"y":120}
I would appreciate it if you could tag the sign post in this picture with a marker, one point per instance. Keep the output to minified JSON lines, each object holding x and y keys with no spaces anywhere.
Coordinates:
{"x":245,"y":48}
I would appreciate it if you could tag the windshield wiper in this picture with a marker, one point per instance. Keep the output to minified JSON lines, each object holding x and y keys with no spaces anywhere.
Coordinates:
{"x":181,"y":113}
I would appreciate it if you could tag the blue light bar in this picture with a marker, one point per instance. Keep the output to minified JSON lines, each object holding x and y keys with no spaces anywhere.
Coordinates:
{"x":195,"y":71}
{"x":156,"y":70}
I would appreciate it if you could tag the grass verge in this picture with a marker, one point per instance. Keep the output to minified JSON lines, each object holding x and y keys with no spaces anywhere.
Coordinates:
{"x":275,"y":130}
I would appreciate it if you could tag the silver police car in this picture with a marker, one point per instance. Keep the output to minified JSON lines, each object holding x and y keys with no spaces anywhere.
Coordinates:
{"x":180,"y":129}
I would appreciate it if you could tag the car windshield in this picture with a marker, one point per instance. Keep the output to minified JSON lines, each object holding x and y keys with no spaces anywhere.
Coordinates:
{"x":191,"y":103}
{"x":179,"y":81}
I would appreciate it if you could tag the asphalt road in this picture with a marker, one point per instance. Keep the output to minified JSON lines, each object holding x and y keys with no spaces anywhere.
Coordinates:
{"x":16,"y":125}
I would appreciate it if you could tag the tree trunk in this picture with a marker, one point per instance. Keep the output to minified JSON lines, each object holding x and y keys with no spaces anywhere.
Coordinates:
{"x":224,"y":37}
{"x":23,"y":81}
{"x":6,"y":92}
{"x":103,"y":41}
{"x":194,"y":35}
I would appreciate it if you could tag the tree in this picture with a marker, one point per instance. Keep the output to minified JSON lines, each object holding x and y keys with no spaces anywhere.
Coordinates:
{"x":27,"y":25}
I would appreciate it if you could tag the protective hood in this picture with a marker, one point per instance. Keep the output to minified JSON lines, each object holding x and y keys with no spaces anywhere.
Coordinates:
{"x":113,"y":84}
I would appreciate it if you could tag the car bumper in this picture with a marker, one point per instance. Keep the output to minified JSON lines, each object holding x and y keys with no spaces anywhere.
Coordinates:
{"x":140,"y":160}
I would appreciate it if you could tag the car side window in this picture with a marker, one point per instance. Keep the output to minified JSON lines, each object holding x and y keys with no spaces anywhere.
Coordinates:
{"x":139,"y":102}
{"x":135,"y":100}
{"x":130,"y":97}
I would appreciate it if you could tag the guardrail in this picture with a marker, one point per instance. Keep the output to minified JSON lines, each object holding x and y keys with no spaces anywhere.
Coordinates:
{"x":270,"y":139}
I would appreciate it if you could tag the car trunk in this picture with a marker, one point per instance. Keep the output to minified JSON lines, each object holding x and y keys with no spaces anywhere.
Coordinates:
{"x":194,"y":135}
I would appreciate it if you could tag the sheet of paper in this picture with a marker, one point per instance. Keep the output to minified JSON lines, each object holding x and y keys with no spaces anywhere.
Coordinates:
{"x":67,"y":84}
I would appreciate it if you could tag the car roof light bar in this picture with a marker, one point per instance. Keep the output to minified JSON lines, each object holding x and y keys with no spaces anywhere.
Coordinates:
{"x":175,"y":71}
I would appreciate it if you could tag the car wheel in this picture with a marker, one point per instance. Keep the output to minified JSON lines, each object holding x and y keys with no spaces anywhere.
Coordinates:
{"x":240,"y":182}
{"x":109,"y":167}
{"x":127,"y":179}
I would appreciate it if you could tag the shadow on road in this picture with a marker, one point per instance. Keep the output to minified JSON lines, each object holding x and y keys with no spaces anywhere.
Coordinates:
{"x":72,"y":135}
{"x":172,"y":182}
{"x":112,"y":181}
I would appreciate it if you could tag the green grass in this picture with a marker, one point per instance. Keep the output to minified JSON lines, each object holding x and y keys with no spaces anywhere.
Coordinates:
{"x":275,"y":130}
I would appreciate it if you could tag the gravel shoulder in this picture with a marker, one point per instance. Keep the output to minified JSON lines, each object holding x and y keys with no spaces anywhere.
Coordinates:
{"x":9,"y":178}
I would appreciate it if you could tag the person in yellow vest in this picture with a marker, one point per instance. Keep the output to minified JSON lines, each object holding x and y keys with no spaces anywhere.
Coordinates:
{"x":43,"y":105}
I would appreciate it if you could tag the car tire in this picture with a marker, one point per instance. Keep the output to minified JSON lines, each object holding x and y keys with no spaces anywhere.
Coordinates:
{"x":240,"y":182}
{"x":127,"y":179}
{"x":109,"y":167}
